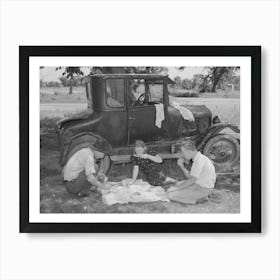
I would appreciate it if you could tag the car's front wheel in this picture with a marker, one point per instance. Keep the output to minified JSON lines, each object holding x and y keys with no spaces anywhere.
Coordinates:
{"x":223,"y":150}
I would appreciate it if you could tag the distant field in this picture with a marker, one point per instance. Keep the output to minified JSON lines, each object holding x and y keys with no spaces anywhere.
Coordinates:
{"x":177,"y":92}
{"x":227,"y":109}
{"x":61,"y":94}
{"x":56,"y":102}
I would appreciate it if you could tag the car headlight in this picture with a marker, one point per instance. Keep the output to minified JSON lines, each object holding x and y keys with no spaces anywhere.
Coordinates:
{"x":216,"y":119}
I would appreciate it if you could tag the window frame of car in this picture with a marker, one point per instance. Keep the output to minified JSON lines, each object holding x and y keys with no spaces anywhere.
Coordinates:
{"x":115,"y":108}
{"x":146,"y":83}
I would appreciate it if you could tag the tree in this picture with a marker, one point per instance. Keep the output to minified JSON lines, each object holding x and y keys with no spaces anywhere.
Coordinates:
{"x":197,"y":81}
{"x":42,"y":83}
{"x":210,"y":80}
{"x":64,"y":81}
{"x":214,"y":77}
{"x":187,"y":84}
{"x":129,"y":70}
{"x":178,"y":81}
{"x":230,"y":81}
{"x":70,"y":73}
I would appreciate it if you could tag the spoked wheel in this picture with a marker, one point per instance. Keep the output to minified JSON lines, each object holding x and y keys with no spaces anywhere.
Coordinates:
{"x":223,"y":150}
{"x":104,"y":163}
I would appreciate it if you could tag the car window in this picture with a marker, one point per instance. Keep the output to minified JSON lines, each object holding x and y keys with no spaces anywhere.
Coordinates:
{"x":151,"y":89}
{"x":136,"y":88}
{"x":156,"y":91}
{"x":114,"y":91}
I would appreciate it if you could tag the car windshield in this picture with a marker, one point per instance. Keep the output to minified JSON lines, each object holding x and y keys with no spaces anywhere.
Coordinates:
{"x":145,"y":91}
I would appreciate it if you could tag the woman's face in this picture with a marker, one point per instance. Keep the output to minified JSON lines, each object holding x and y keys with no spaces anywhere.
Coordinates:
{"x":139,"y":150}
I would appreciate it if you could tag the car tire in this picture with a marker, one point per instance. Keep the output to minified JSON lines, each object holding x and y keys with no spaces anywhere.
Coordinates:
{"x":222,"y":159}
{"x":106,"y":161}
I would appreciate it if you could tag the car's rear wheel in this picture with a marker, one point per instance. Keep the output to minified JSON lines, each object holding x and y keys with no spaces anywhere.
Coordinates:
{"x":223,"y":150}
{"x":77,"y":144}
{"x":104,"y":163}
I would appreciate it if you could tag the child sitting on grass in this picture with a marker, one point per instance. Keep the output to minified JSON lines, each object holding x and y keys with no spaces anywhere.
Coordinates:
{"x":150,"y":163}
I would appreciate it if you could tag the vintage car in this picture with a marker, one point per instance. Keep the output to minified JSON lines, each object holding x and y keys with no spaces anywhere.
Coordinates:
{"x":127,"y":107}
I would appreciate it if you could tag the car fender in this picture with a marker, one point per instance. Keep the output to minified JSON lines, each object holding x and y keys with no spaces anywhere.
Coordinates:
{"x":219,"y":128}
{"x":84,"y":140}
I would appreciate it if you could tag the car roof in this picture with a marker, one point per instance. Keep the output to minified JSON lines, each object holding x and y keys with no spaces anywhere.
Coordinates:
{"x":135,"y":76}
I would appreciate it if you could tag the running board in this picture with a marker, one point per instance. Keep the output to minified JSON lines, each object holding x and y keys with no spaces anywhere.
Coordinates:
{"x":126,"y":158}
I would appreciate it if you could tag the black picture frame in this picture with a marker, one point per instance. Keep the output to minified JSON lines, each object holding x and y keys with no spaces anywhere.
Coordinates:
{"x":25,"y":52}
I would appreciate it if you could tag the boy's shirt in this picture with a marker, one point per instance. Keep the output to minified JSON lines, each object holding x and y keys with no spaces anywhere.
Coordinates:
{"x":204,"y":170}
{"x":83,"y":160}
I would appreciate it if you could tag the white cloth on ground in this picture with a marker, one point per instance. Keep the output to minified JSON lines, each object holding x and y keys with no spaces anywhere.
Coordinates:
{"x":140,"y":191}
{"x":186,"y":113}
{"x":159,"y":114}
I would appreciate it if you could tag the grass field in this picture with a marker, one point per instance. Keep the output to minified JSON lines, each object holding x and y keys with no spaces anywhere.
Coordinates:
{"x":61,"y":94}
{"x":227,"y":109}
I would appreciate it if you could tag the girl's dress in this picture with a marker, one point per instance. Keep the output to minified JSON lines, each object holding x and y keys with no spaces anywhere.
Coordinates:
{"x":152,"y":170}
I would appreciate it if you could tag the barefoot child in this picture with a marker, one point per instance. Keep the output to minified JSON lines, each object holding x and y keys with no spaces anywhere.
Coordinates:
{"x":150,"y":164}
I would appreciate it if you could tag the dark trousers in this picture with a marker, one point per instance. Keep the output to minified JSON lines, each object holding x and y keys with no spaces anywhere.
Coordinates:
{"x":80,"y":185}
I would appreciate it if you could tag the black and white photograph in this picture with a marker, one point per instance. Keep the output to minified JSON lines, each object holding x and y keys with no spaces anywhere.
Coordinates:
{"x":141,"y":139}
{"x":165,"y":141}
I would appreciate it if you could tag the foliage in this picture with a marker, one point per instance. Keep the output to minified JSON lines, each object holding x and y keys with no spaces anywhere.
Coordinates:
{"x":215,"y":77}
{"x":187,"y":84}
{"x":48,"y":136}
{"x":76,"y":81}
{"x":129,"y":70}
{"x":178,"y":81}
{"x":52,"y":84}
{"x":74,"y":74}
{"x":49,"y":84}
{"x":70,"y":73}
{"x":229,"y":82}
{"x":224,"y":78}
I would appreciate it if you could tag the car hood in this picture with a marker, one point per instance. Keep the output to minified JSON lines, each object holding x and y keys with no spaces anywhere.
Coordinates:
{"x":198,"y":111}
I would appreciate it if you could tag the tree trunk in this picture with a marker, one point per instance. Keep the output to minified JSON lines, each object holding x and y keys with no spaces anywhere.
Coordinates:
{"x":218,"y":72}
{"x":71,"y":87}
{"x":214,"y":86}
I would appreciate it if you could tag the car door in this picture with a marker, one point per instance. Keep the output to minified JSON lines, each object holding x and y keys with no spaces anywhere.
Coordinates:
{"x":114,"y":117}
{"x":141,"y":117}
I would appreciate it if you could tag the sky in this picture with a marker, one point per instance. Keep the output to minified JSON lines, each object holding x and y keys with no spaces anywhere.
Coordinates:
{"x":48,"y":74}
